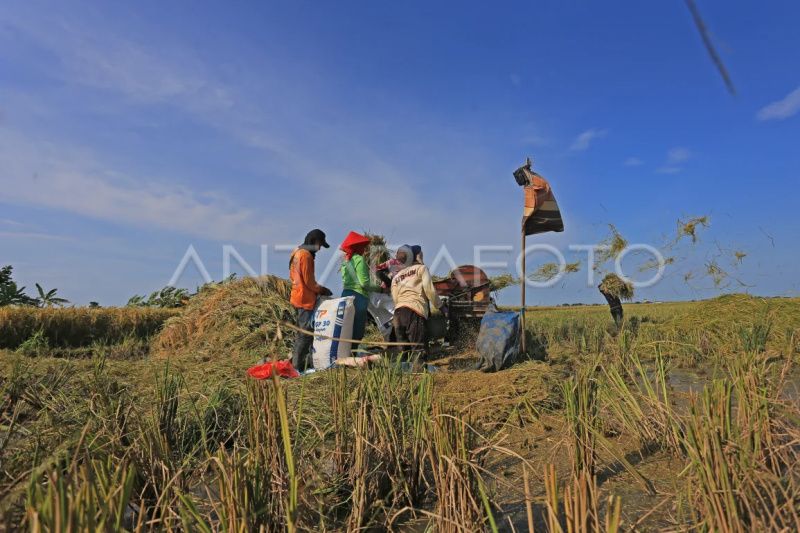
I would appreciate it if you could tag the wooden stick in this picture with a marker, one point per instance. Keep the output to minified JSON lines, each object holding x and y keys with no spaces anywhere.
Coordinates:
{"x":522,"y":307}
{"x":342,"y":339}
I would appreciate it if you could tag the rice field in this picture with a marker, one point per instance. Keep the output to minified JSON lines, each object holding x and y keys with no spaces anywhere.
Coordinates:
{"x":685,"y":419}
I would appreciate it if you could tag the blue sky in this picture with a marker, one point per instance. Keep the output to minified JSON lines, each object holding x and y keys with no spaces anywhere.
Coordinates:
{"x":129,"y":132}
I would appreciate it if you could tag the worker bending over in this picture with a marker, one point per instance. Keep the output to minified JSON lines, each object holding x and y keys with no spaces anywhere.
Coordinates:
{"x":305,"y":291}
{"x":414,"y":298}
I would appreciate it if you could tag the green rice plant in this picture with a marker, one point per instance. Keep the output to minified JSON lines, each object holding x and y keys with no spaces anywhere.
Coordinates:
{"x":715,"y":481}
{"x":367,"y":479}
{"x":127,"y":348}
{"x":640,"y":401}
{"x":552,"y":499}
{"x":221,"y":416}
{"x":339,"y":393}
{"x":257,"y":479}
{"x":749,"y":375}
{"x":581,"y":411}
{"x":580,"y":512}
{"x":582,"y":508}
{"x":754,"y":338}
{"x":247,"y":498}
{"x":167,"y":446}
{"x":35,"y":345}
{"x":791,"y":342}
{"x":270,"y":449}
{"x":88,"y":495}
{"x":455,"y":456}
{"x":390,"y":420}
{"x":731,"y":487}
{"x":14,"y":384}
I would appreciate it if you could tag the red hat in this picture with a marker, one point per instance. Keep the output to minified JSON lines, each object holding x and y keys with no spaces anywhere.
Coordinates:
{"x":354,"y":243}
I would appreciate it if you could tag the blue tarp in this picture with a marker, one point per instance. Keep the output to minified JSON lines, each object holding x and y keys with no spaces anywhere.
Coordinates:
{"x":498,"y":340}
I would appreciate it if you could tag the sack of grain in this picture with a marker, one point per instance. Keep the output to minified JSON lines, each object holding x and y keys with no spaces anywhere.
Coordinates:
{"x":333,"y":318}
{"x":381,"y":309}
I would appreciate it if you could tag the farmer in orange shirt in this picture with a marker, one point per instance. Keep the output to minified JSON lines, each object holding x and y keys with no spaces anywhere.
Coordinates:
{"x":305,"y":291}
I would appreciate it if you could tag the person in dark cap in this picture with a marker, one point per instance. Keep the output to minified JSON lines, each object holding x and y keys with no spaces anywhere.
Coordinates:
{"x":305,"y":291}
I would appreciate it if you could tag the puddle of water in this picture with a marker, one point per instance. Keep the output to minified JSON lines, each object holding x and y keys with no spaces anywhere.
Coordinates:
{"x":465,"y":363}
{"x":687,"y":381}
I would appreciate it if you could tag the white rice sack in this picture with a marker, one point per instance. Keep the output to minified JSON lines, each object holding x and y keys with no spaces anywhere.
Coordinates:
{"x":333,"y":318}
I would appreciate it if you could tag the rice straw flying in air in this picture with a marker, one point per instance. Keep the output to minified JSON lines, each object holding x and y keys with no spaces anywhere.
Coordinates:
{"x":612,"y":246}
{"x":689,"y":228}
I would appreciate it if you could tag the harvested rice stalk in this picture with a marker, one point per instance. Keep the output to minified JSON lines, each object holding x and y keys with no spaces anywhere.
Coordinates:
{"x":379,"y":252}
{"x":715,"y":271}
{"x":689,"y":228}
{"x":654,"y":264}
{"x":612,"y":246}
{"x":546,"y":272}
{"x":502,"y":281}
{"x":230,"y":318}
{"x":616,"y":286}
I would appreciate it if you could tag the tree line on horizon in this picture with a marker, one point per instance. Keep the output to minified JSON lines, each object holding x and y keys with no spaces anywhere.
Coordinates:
{"x":11,"y":293}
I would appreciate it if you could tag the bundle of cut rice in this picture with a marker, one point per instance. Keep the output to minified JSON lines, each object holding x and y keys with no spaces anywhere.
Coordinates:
{"x":230,"y":318}
{"x":616,"y":286}
{"x":378,"y":251}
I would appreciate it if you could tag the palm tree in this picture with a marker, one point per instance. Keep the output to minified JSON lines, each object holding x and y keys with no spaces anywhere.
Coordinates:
{"x":49,"y":298}
{"x":10,"y":294}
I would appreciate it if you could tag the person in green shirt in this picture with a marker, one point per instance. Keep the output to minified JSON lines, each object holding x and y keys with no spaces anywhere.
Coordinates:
{"x":356,"y":281}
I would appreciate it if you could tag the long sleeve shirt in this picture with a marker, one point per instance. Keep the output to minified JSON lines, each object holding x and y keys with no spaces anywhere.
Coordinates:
{"x":355,"y":276}
{"x":305,"y":288}
{"x":413,"y":288}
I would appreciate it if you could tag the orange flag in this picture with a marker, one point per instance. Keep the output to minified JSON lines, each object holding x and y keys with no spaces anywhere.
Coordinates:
{"x":541,"y":209}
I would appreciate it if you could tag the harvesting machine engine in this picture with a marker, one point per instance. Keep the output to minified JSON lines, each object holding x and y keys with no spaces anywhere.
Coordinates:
{"x":466,"y":293}
{"x":466,"y":296}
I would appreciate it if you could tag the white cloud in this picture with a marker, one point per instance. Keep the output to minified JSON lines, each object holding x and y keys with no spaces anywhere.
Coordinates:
{"x":535,"y":140}
{"x":347,"y":182}
{"x":64,"y":178}
{"x":782,"y":109}
{"x":102,"y":59}
{"x":583,"y":140}
{"x":633,"y":162}
{"x":669,"y":170}
{"x":675,"y":159}
{"x":32,"y":235}
{"x":678,"y":155}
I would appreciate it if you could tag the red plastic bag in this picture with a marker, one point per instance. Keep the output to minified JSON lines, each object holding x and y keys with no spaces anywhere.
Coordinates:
{"x":284,"y":369}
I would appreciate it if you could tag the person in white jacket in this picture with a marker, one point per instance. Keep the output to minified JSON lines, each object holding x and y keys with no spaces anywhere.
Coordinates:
{"x":414,"y":298}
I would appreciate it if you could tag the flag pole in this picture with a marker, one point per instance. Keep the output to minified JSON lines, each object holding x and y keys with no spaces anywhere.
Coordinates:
{"x":524,"y":283}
